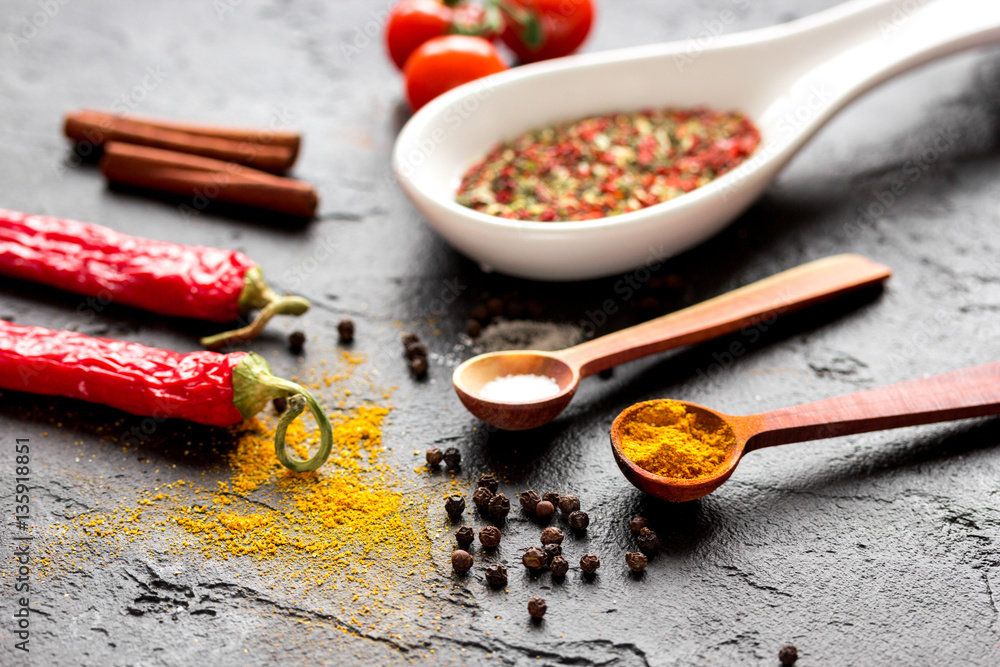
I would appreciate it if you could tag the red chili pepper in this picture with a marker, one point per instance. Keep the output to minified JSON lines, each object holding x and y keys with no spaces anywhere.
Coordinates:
{"x":204,"y":387}
{"x":163,"y":277}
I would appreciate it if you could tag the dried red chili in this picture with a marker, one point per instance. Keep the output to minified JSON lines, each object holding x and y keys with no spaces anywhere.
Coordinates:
{"x":163,"y":277}
{"x":204,"y":387}
{"x":607,"y":165}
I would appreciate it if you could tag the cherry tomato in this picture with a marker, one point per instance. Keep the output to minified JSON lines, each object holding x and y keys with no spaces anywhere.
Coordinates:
{"x":541,"y":29}
{"x":413,"y":22}
{"x":447,"y":62}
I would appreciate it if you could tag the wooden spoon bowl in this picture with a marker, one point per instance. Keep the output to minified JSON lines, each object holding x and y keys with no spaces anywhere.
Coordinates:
{"x":472,"y":376}
{"x":962,"y":394}
{"x":671,"y":488}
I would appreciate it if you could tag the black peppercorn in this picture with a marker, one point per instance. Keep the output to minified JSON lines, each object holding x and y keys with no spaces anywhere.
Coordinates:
{"x":514,"y":309}
{"x":788,"y":655}
{"x":480,"y":312}
{"x":534,"y":558}
{"x":434,"y":456}
{"x":569,"y":504}
{"x":481,"y":498}
{"x":473,"y":328}
{"x":280,"y":404}
{"x":345,"y":329}
{"x":410,"y":337}
{"x":452,"y":457}
{"x":488,"y":481}
{"x":529,"y":500}
{"x":551,"y":497}
{"x":496,"y":575}
{"x":637,"y":523}
{"x":495,"y":306}
{"x":636,"y":561}
{"x":544,"y":509}
{"x":454,"y":506}
{"x":552,"y":535}
{"x":649,"y":303}
{"x":579,"y":521}
{"x":296,"y":341}
{"x":499,"y":507}
{"x":559,"y":566}
{"x":419,"y":367}
{"x":416,"y":351}
{"x":490,"y":537}
{"x":461,"y":561}
{"x":537,"y":607}
{"x":589,"y":563}
{"x":648,"y":541}
{"x":551,"y":551}
{"x":464,"y":536}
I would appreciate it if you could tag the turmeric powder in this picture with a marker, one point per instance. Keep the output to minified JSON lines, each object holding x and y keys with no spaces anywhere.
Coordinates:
{"x":355,"y":536}
{"x":667,"y":439}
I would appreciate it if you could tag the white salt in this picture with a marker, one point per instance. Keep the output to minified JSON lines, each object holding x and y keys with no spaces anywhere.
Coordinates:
{"x":519,"y":389}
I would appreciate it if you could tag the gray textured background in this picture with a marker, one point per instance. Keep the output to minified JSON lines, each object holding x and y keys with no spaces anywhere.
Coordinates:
{"x":876,"y":550}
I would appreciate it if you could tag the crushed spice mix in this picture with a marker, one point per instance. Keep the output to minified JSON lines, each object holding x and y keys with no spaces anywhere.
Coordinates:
{"x":607,"y":165}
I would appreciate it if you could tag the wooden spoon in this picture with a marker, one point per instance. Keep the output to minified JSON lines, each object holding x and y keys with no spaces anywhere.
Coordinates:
{"x":782,"y":293}
{"x":970,"y":392}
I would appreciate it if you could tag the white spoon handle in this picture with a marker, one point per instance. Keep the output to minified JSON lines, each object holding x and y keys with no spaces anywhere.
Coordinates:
{"x":852,"y":48}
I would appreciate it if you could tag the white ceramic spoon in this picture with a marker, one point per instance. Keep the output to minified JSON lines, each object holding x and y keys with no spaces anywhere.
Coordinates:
{"x":790,"y":78}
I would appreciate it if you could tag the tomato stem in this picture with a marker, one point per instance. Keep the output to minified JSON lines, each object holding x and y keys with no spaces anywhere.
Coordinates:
{"x":526,"y":22}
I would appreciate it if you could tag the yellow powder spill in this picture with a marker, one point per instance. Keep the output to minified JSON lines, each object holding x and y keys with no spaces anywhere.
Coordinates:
{"x":353,"y":531}
{"x":340,"y":516}
{"x":668,"y":440}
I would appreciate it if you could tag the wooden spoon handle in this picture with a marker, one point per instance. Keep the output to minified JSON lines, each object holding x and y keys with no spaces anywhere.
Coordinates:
{"x":970,"y":392}
{"x":782,"y":293}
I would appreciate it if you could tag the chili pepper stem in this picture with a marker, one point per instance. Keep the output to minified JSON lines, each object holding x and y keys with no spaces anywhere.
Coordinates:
{"x":257,"y":294}
{"x":254,"y":385}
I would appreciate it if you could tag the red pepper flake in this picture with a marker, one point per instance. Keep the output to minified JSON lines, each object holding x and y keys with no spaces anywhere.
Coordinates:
{"x":607,"y":165}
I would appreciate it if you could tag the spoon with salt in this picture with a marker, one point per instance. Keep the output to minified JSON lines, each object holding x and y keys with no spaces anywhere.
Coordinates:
{"x":790,"y":79}
{"x":523,"y":389}
{"x":962,"y":394}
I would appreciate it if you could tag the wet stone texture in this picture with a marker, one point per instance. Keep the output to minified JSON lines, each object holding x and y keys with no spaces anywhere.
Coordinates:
{"x":877,"y":549}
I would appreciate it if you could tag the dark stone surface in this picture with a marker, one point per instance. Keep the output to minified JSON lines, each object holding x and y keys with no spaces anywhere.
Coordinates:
{"x":878,"y":549}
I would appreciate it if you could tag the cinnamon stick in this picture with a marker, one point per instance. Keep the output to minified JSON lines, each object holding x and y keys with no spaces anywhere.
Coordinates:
{"x":269,"y":150}
{"x":206,"y":179}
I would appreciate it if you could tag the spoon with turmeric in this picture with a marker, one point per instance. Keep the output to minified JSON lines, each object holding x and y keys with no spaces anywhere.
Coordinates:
{"x":539,"y":385}
{"x":680,"y":451}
